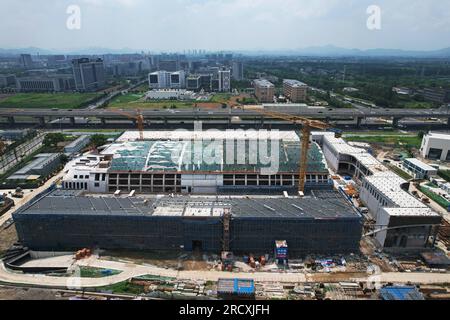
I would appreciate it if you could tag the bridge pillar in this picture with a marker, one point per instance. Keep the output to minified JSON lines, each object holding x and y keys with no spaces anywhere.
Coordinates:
{"x":448,"y":122}
{"x":103,"y":121}
{"x":359,"y":121}
{"x":11,"y":121}
{"x":41,"y":121}
{"x":72,"y":121}
{"x":262,"y":121}
{"x":395,"y":122}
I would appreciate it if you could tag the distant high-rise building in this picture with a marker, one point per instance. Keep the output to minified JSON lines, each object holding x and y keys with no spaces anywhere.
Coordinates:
{"x":224,"y":80}
{"x":295,"y":90}
{"x":89,"y":74}
{"x":26,"y":61}
{"x":168,"y":65}
{"x":238,"y":70}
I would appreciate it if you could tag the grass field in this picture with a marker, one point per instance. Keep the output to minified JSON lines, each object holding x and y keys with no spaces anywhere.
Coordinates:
{"x":48,"y":100}
{"x":131,"y":101}
{"x":389,"y":139}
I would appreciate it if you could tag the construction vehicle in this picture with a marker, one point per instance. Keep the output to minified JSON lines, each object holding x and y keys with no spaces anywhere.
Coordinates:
{"x":18,"y":193}
{"x":306,"y":127}
{"x":138,"y":117}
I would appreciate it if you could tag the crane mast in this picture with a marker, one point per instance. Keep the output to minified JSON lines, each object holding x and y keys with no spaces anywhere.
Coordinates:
{"x":306,"y":127}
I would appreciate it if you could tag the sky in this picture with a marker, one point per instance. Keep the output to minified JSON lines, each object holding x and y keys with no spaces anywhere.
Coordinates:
{"x":177,"y":25}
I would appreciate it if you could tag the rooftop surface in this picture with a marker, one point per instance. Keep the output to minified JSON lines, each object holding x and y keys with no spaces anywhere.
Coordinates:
{"x":295,"y":83}
{"x":264,"y":83}
{"x":323,"y":205}
{"x":420,"y":164}
{"x":216,"y":151}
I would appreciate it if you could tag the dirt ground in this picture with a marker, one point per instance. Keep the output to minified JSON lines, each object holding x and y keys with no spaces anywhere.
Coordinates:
{"x":7,"y":238}
{"x":27,"y":294}
{"x":335,"y":277}
{"x":173,"y":260}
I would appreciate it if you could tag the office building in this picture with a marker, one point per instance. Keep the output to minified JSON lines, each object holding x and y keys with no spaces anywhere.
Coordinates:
{"x":264,"y":90}
{"x":224,"y":80}
{"x":46,"y":84}
{"x":167,"y":80}
{"x":89,"y":74}
{"x":238,"y":70}
{"x":438,"y":95}
{"x":77,"y":145}
{"x":419,"y":169}
{"x":295,"y":90}
{"x":26,"y":60}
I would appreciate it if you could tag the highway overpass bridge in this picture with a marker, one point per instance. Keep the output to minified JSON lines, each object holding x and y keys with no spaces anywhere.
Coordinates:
{"x":221,"y":116}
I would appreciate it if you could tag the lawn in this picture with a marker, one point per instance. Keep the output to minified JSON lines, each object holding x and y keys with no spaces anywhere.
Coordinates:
{"x":125,"y":99}
{"x":435,"y":197}
{"x":124,"y":288}
{"x":131,"y":101}
{"x":393,"y":140}
{"x":400,"y":172}
{"x":91,"y":272}
{"x":48,"y":100}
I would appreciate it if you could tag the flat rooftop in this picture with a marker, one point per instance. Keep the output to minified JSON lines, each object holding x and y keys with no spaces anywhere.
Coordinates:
{"x":231,"y":151}
{"x":322,"y":205}
{"x":263,"y":83}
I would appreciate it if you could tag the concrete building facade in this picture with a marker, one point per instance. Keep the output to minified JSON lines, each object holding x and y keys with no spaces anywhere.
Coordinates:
{"x":89,"y":74}
{"x":436,"y":146}
{"x":264,"y":90}
{"x":295,"y":90}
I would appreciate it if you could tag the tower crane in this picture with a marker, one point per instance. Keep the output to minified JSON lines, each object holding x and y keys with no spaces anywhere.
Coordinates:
{"x":307,"y":126}
{"x":138,"y":117}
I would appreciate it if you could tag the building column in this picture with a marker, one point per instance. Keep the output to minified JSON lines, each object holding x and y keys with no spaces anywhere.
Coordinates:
{"x":41,"y":121}
{"x":11,"y":121}
{"x":395,"y":122}
{"x":359,"y":121}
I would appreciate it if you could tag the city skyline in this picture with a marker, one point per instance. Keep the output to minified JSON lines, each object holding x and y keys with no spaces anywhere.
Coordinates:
{"x":244,"y":25}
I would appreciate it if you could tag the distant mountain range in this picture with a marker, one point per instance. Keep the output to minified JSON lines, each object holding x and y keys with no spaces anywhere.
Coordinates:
{"x":325,"y":51}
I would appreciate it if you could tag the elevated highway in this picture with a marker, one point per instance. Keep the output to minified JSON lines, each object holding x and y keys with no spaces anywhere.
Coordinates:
{"x":221,"y":116}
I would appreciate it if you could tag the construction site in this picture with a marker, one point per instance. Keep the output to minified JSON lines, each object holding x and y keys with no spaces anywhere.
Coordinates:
{"x":192,"y":214}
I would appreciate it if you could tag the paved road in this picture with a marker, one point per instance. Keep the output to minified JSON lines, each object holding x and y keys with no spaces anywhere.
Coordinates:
{"x":28,"y":196}
{"x":130,"y":270}
{"x":192,"y":112}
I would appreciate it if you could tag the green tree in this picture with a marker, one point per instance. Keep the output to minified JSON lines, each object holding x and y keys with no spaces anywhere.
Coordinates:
{"x":52,"y":139}
{"x":98,"y":140}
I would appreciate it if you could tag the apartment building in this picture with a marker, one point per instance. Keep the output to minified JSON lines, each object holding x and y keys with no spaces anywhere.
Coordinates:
{"x":295,"y":90}
{"x":264,"y":90}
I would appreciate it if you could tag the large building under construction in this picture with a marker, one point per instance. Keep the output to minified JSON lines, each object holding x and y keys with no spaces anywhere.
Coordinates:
{"x":204,"y":162}
{"x":60,"y":220}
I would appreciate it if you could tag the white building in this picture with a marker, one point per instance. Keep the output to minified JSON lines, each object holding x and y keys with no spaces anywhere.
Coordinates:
{"x":170,"y":94}
{"x":436,"y":146}
{"x":159,"y":80}
{"x":419,"y":169}
{"x":87,"y":173}
{"x":384,"y":194}
{"x":224,"y":80}
{"x":77,"y":145}
{"x":167,"y":80}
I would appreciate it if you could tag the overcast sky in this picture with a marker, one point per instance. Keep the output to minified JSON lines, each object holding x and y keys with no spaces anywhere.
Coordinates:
{"x":171,"y":25}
